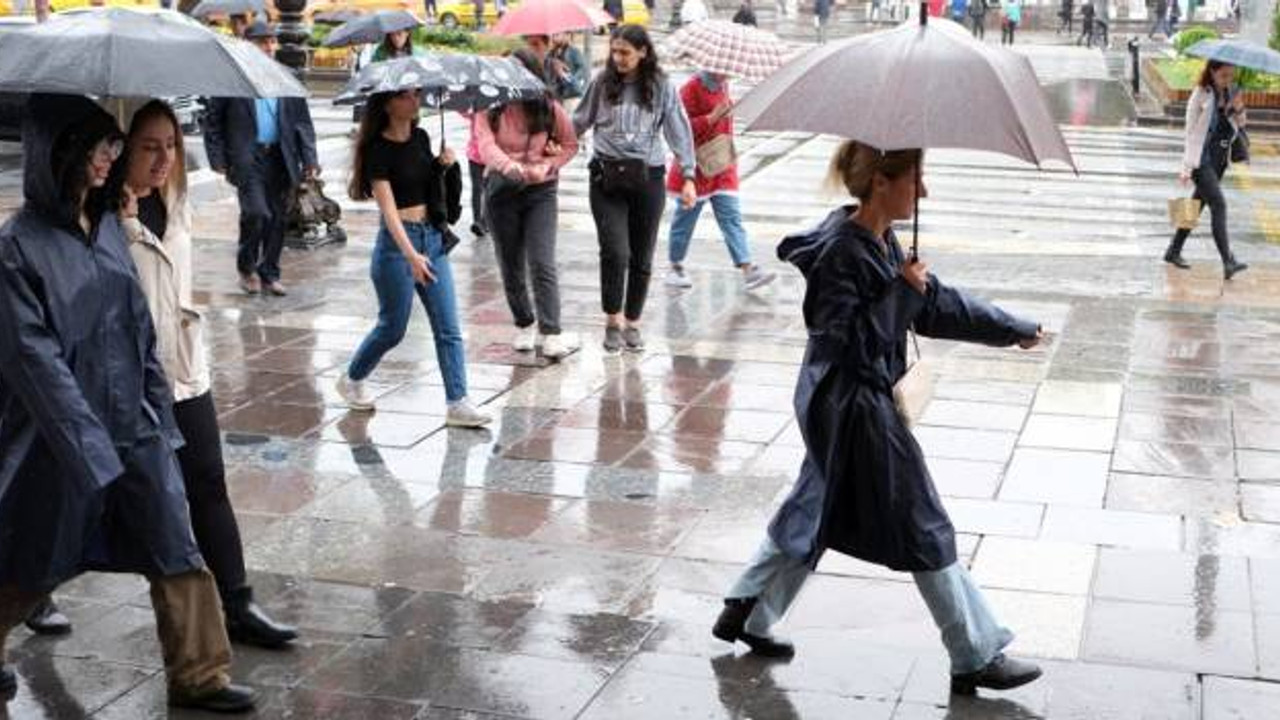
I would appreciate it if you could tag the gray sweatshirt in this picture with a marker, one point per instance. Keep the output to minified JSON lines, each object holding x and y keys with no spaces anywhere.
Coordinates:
{"x":626,"y":130}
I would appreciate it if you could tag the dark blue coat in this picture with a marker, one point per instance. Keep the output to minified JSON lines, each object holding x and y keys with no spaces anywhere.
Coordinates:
{"x":231,"y":136}
{"x":864,"y":489}
{"x":88,"y":476}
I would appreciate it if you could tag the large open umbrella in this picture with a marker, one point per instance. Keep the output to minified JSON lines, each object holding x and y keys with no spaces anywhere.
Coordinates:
{"x":548,"y":17}
{"x":1240,"y":53}
{"x":929,"y":85}
{"x":129,"y":53}
{"x":739,"y":51}
{"x":371,"y":28}
{"x":228,"y":7}
{"x":449,"y":82}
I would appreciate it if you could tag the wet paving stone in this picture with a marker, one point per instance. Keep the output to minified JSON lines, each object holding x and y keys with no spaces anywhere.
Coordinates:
{"x":1038,"y":565}
{"x":1172,"y":496}
{"x":1230,"y":698}
{"x":1112,"y":527}
{"x":1197,"y":639}
{"x":1179,"y":460}
{"x":1064,"y":432}
{"x":1206,"y":582}
{"x":1056,"y":477}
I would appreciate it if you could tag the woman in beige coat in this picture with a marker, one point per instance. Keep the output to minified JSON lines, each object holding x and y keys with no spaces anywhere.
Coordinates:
{"x":157,"y":221}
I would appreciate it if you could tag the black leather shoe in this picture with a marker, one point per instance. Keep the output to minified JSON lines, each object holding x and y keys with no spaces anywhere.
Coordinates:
{"x":247,"y":623}
{"x":1002,"y":673}
{"x":8,"y":683}
{"x":1175,"y":259}
{"x":46,"y":619}
{"x":230,"y":699}
{"x":731,"y":627}
{"x":1234,"y":269}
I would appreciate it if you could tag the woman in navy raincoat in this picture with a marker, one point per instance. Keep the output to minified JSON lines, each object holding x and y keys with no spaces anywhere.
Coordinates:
{"x":864,"y":489}
{"x":88,"y":476}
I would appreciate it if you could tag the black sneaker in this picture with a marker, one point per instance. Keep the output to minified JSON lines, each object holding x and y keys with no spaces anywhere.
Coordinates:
{"x":47,"y":619}
{"x":231,"y":699}
{"x":1234,"y":269}
{"x":8,"y":683}
{"x":1002,"y":673}
{"x":479,"y":230}
{"x":731,"y":627}
{"x":1175,"y":259}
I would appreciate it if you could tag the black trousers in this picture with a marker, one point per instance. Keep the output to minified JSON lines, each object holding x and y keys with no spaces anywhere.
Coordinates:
{"x":1007,"y":30}
{"x":263,"y":189}
{"x":212,"y":520}
{"x":1208,"y":180}
{"x":479,"y":214}
{"x":627,"y":230}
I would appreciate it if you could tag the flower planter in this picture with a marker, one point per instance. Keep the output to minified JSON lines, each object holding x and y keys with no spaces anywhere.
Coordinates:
{"x":1169,"y":95}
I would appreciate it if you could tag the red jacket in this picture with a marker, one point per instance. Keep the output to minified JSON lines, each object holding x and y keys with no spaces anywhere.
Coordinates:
{"x":699,"y":101}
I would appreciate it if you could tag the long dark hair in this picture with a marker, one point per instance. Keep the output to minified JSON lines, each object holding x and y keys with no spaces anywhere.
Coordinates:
{"x":71,"y":158}
{"x":1206,"y":75}
{"x":372,"y":125}
{"x":390,"y":51}
{"x":177,"y":183}
{"x":650,"y":74}
{"x":539,"y":117}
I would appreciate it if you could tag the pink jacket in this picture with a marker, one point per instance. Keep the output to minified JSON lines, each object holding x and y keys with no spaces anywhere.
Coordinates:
{"x":511,"y":145}
{"x":473,"y":148}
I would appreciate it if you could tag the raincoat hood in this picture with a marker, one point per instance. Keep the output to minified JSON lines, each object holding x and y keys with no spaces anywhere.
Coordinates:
{"x":57,"y":131}
{"x":804,"y":248}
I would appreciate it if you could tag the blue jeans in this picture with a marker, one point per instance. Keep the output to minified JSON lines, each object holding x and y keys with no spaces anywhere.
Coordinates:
{"x":970,"y":631}
{"x":393,"y":281}
{"x":728,"y":217}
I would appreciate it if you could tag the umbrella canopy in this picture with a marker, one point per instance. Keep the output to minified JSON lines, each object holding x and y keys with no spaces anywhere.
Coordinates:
{"x":548,"y":17}
{"x":1240,"y":53}
{"x":728,"y":48}
{"x":128,"y":53}
{"x":336,"y":17}
{"x":371,"y":28}
{"x":449,"y":81}
{"x":913,"y":86}
{"x":228,"y":7}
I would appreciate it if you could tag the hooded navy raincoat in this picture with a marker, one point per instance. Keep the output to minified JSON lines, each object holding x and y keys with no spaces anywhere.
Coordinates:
{"x":88,"y":476}
{"x":863,"y":488}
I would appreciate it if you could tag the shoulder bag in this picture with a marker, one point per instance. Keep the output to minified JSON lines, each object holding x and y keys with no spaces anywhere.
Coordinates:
{"x":625,"y":176}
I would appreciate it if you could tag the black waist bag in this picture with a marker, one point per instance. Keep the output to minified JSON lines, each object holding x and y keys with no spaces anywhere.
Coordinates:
{"x":619,"y":176}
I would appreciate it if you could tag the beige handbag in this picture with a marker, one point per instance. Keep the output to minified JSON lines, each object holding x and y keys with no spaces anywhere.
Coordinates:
{"x":1184,"y":213}
{"x":914,"y":390}
{"x":716,"y":155}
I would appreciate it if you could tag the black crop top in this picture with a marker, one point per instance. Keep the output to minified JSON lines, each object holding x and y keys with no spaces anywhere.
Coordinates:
{"x":409,"y":166}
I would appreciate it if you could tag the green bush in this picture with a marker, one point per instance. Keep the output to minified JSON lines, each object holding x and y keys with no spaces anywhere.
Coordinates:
{"x":1275,"y":29}
{"x":443,"y":37}
{"x":1192,"y":35}
{"x":318,"y":35}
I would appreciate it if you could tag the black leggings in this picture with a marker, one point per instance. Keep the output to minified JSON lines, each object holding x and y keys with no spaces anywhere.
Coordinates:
{"x":627,"y":229}
{"x":212,"y":519}
{"x":1208,"y":180}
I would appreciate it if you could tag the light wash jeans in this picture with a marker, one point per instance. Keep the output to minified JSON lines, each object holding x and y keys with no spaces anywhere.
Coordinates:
{"x":394,"y":284}
{"x":728,"y":217}
{"x":970,"y":631}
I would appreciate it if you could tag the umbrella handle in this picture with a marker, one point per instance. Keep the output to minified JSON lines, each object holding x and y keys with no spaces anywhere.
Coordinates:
{"x":915,"y":215}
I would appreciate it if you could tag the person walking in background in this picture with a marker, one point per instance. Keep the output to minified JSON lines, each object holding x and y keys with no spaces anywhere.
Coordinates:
{"x":395,"y":44}
{"x":418,"y":196}
{"x":978,"y":17}
{"x":630,"y":107}
{"x":1086,"y":24}
{"x":1009,"y":24}
{"x":959,"y":10}
{"x":88,"y":477}
{"x":478,"y":7}
{"x":864,"y":488}
{"x":568,"y":71}
{"x":265,"y":147}
{"x":1066,"y":16}
{"x":1175,"y":14}
{"x":746,"y":15}
{"x":524,"y":145}
{"x":615,"y":10}
{"x":1160,"y":23}
{"x":821,"y":15}
{"x":1215,"y":117}
{"x":475,"y":177}
{"x":429,"y":8}
{"x":706,"y":101}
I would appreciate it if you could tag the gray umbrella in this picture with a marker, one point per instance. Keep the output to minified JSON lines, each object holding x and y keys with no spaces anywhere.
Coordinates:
{"x":1240,"y":53}
{"x":228,"y":7}
{"x":371,"y":28}
{"x":129,"y":53}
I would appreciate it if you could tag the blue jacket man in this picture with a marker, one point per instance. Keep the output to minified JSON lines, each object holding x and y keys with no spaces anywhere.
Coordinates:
{"x":266,"y":147}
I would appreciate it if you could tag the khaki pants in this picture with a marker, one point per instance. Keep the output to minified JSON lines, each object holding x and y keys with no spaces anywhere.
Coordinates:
{"x":193,"y":636}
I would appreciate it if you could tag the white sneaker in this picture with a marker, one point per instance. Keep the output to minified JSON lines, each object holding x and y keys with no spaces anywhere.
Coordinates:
{"x":755,"y":278}
{"x":354,"y":393}
{"x":525,"y":338}
{"x":677,"y":278}
{"x":555,"y":347}
{"x":464,"y":414}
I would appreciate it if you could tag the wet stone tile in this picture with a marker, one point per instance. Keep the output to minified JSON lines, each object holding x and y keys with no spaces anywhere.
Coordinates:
{"x":1167,"y":636}
{"x":1257,"y":435}
{"x":1174,"y":429}
{"x":988,"y":517}
{"x":1056,"y":477}
{"x":989,"y":391}
{"x":379,"y":501}
{"x":977,"y":415}
{"x":383,"y":428}
{"x":599,"y":639}
{"x":1112,"y":527}
{"x":149,"y":701}
{"x":491,"y":514}
{"x":1060,"y":397}
{"x":1232,"y":698}
{"x":1151,"y":458}
{"x":1206,"y":582}
{"x":1268,"y":629}
{"x":1171,"y":496}
{"x":576,"y":445}
{"x":1175,"y":405}
{"x":1212,"y":536}
{"x":1044,"y":625}
{"x":277,"y":490}
{"x":324,"y":609}
{"x":716,"y":423}
{"x":637,"y":695}
{"x":1260,"y":503}
{"x":965,"y":444}
{"x":628,"y":527}
{"x":1258,"y":466}
{"x":609,"y":415}
{"x":1066,"y":432}
{"x":269,"y":418}
{"x":61,"y":687}
{"x":961,"y":478}
{"x":566,"y":579}
{"x":693,"y":454}
{"x":1038,"y":565}
{"x":443,"y":619}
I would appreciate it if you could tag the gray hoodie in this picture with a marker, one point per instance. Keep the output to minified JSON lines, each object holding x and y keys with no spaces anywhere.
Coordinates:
{"x":627,"y":130}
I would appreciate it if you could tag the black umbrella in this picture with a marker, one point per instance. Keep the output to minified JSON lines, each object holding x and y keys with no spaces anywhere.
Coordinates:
{"x":336,"y":17}
{"x":448,"y":81}
{"x":371,"y":28}
{"x":228,"y":7}
{"x":113,"y":52}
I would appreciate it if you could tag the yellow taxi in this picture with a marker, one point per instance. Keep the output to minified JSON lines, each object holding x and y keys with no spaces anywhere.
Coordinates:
{"x":60,"y":5}
{"x":463,"y":13}
{"x":316,"y":7}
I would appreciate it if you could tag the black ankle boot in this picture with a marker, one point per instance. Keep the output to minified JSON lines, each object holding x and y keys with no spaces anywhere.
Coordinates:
{"x":8,"y":683}
{"x":1233,"y":268}
{"x":228,"y":700}
{"x":731,"y":627}
{"x":1002,"y":673}
{"x":248,"y":624}
{"x":1174,"y":258}
{"x":46,"y":619}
